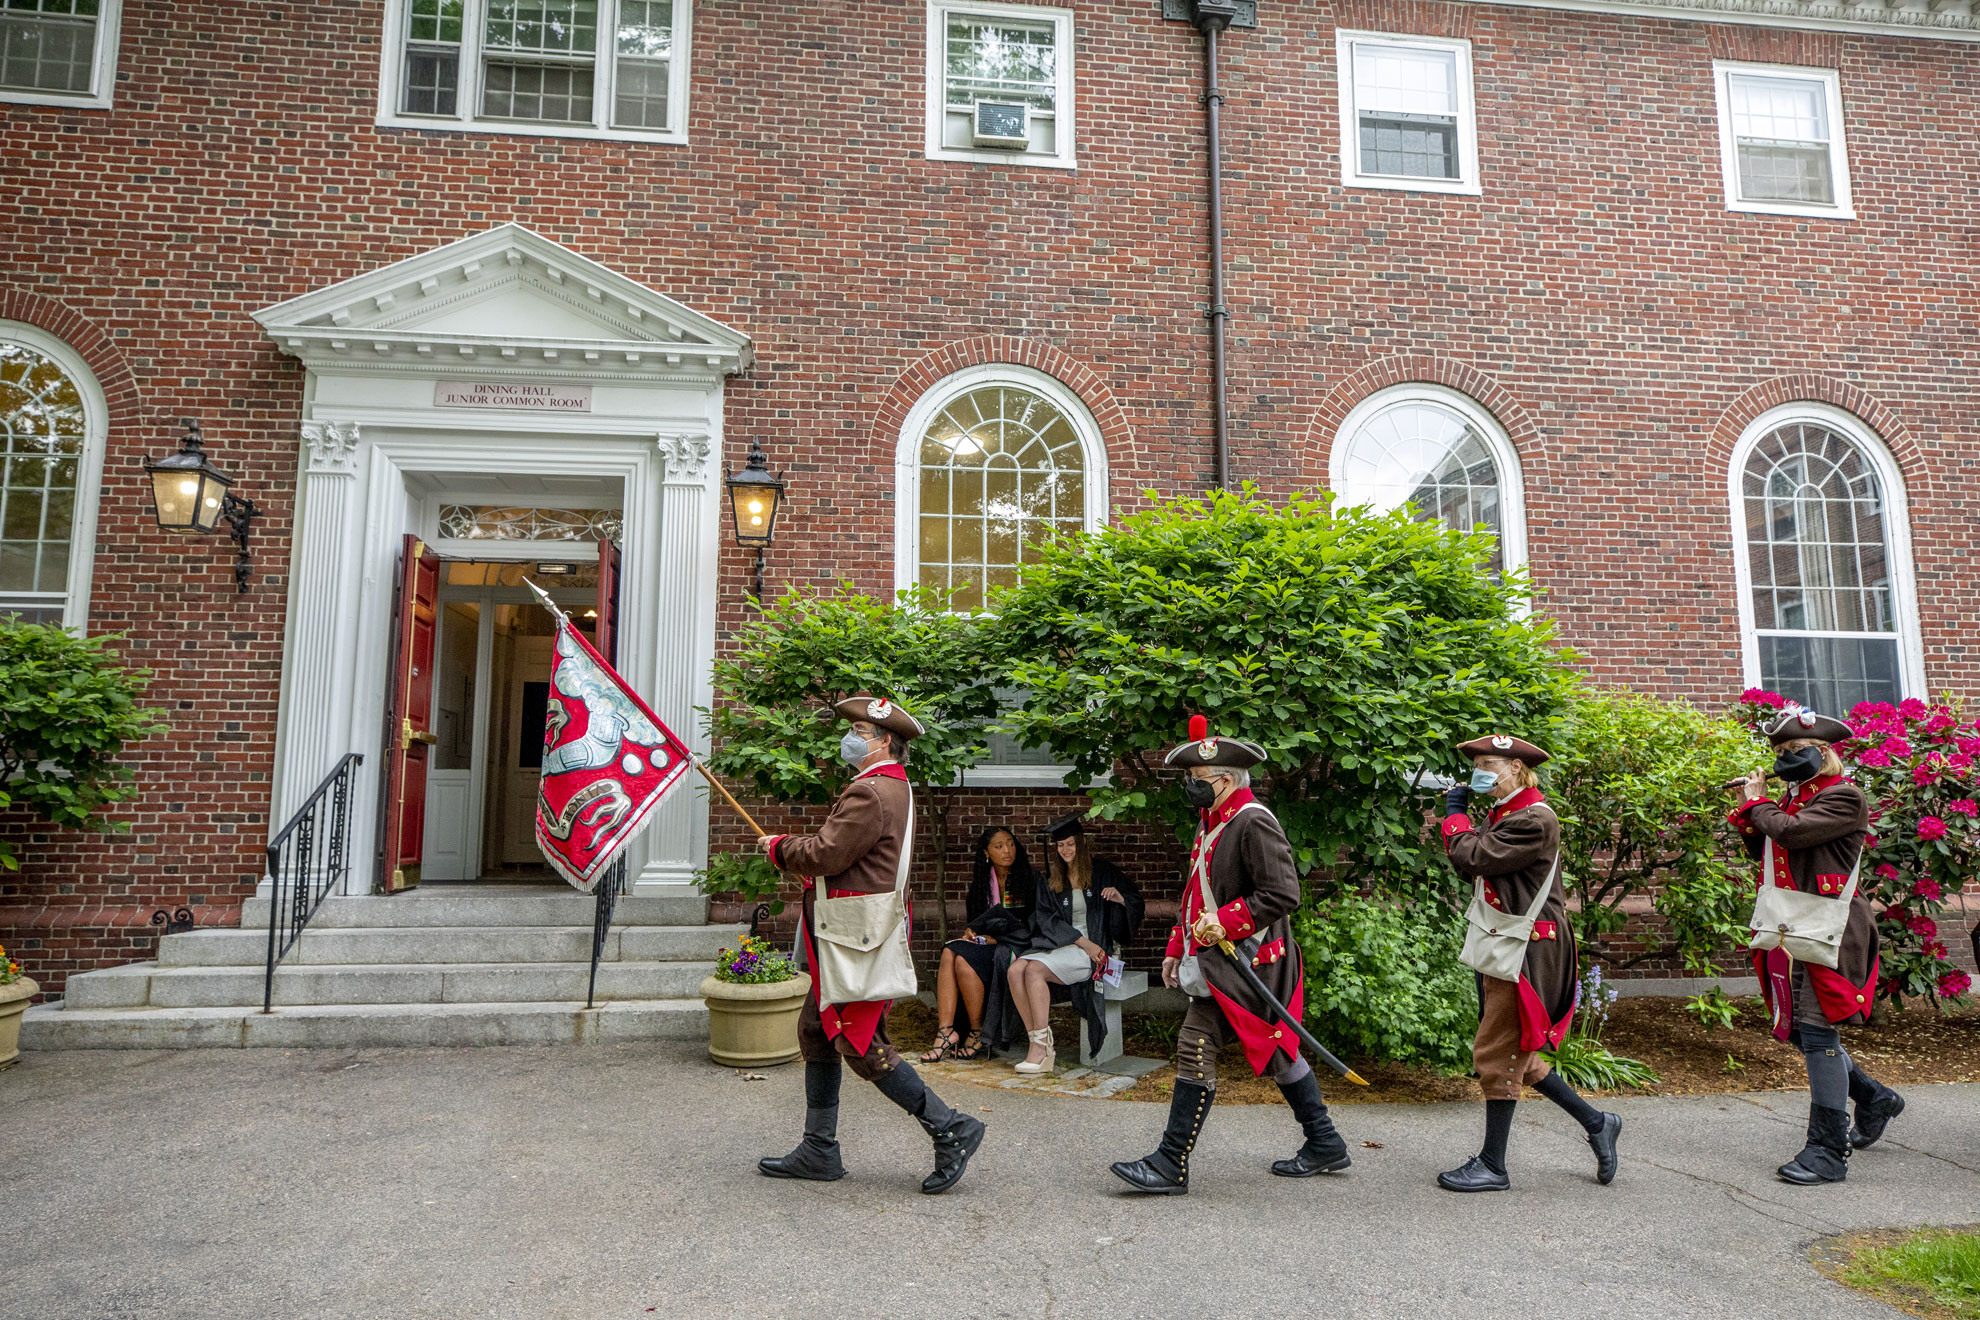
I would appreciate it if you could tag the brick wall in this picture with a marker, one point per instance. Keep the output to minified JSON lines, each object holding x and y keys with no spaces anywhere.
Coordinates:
{"x":1598,"y":297}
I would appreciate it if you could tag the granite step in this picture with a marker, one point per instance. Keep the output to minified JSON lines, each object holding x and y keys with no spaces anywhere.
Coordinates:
{"x":147,"y":985}
{"x":448,"y":944}
{"x":562,"y":906}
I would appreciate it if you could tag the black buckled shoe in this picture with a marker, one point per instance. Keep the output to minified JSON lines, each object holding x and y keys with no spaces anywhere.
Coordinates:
{"x":1475,"y":1175}
{"x":1876,"y":1106}
{"x":1825,"y":1159}
{"x":1324,"y":1151}
{"x":1603,"y":1143}
{"x":954,"y":1144}
{"x":816,"y":1158}
{"x":1166,"y":1171}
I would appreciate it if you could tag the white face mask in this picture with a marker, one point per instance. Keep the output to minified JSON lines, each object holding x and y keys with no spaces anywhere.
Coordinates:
{"x":853,"y":749}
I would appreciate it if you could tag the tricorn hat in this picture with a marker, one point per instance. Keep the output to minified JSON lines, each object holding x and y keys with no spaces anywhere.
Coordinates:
{"x":880,"y":711}
{"x":1500,"y":744}
{"x":1202,"y":749}
{"x":1067,"y":827}
{"x":1796,"y":722}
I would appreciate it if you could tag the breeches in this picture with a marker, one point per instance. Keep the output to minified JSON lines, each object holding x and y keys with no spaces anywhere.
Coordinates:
{"x":815,"y":1047}
{"x":1504,"y":1070}
{"x":1205,"y":1032}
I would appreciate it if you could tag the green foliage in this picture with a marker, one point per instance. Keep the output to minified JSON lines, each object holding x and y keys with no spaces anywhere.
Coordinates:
{"x":1712,"y":1009}
{"x":1942,"y":1264}
{"x":1383,"y":981}
{"x":749,"y":876}
{"x":1354,"y":647}
{"x":1635,"y":781}
{"x":68,"y":708}
{"x":1589,"y":1066}
{"x":753,"y":962}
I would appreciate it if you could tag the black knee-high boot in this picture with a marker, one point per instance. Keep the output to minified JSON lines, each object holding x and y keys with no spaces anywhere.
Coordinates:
{"x":1825,"y":1159}
{"x":1166,"y":1171}
{"x":1876,"y":1106}
{"x":817,"y":1156}
{"x":956,"y":1136}
{"x":1324,"y":1151}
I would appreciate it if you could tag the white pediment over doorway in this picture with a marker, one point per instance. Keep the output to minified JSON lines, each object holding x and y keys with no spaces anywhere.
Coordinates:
{"x":506,"y":301}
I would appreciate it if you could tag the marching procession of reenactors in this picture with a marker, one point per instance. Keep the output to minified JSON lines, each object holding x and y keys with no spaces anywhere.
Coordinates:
{"x":1232,"y":952}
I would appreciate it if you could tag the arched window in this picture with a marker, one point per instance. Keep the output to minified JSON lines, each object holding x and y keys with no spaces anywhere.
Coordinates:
{"x":1438,"y":451}
{"x":1826,"y":599}
{"x":51,"y":455}
{"x":992,"y":461}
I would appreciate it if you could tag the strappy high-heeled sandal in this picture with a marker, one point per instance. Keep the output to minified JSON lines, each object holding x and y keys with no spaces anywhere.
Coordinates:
{"x":969,"y":1049}
{"x":946,"y":1041}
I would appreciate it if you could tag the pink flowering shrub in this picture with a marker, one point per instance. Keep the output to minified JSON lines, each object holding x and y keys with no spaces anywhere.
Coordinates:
{"x":1916,"y":763}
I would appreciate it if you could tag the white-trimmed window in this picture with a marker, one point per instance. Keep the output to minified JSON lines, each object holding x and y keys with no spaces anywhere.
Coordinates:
{"x":1407,"y":119}
{"x":992,"y":461}
{"x":1781,"y":140}
{"x":53,"y":420}
{"x":1439,"y":452}
{"x":1000,"y":83}
{"x":566,"y":68}
{"x":1828,"y":612}
{"x":58,"y":52}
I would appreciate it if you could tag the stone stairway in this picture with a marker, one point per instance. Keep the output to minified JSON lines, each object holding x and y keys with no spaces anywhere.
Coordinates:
{"x":436,"y":967}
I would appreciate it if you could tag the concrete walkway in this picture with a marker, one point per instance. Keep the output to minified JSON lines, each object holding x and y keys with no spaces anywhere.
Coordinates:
{"x":617,"y":1181}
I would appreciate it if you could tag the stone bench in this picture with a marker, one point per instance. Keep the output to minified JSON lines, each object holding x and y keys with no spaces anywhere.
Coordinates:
{"x":1133,"y":985}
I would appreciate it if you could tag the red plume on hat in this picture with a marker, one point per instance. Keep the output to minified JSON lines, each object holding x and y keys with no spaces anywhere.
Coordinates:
{"x":1199,"y":728}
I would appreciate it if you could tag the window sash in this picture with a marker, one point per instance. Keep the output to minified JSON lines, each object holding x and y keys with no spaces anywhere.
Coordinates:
{"x":1035,"y":70}
{"x":1781,"y":139}
{"x":1406,"y":113}
{"x":50,"y":47}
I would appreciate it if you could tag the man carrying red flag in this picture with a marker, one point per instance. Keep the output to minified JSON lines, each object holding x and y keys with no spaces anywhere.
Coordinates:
{"x":861,"y":849}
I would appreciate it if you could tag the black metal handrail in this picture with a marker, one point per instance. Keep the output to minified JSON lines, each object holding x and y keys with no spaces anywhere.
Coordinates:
{"x":298,"y":880}
{"x":610,"y":886}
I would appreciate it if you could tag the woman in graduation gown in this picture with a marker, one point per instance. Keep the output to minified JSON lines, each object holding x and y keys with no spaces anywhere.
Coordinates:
{"x":995,"y":910}
{"x":1817,"y":830}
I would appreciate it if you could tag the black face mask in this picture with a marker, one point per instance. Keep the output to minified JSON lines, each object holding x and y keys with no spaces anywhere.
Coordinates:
{"x":1202,"y":793}
{"x":1796,"y":767}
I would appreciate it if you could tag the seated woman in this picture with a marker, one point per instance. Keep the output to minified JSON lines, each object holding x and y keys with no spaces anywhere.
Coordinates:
{"x":1000,"y":894}
{"x":1086,"y":910}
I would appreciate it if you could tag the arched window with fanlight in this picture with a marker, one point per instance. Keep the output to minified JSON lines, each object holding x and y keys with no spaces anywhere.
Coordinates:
{"x":52,"y":425}
{"x":1825,"y":564}
{"x":1440,"y":453}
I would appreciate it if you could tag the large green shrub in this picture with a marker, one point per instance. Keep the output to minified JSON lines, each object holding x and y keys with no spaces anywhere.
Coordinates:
{"x":1384,"y":981}
{"x":1636,"y":783}
{"x":810,"y":649}
{"x":68,"y":709}
{"x":1357,"y":648}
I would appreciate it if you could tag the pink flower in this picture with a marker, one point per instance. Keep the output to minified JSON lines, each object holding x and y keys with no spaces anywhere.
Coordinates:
{"x":1934,"y":949}
{"x":1964,"y":806}
{"x":1870,"y":710}
{"x":1959,"y":763}
{"x":1912,"y":708}
{"x":1930,"y":828}
{"x":1923,"y":927}
{"x":1954,"y":984}
{"x":1969,"y":746}
{"x":1887,"y":871}
{"x":1873,"y":758}
{"x":1929,"y":770}
{"x":1762,"y":697}
{"x":1924,"y":888}
{"x":1896,"y":747}
{"x":1869,"y":842}
{"x":1940,"y":722}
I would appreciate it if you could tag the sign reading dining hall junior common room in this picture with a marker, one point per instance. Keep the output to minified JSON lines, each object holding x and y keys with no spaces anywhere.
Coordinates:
{"x":511,"y":394}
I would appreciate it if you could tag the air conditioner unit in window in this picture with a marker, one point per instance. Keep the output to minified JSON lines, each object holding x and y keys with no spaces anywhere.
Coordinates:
{"x":1001,"y":124}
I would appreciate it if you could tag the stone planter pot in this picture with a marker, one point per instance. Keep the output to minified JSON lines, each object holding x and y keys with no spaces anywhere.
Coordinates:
{"x":14,"y":1001}
{"x":753,"y":1026}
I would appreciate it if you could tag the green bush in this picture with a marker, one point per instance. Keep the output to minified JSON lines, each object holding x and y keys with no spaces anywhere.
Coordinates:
{"x":1384,"y":981}
{"x":68,"y":709}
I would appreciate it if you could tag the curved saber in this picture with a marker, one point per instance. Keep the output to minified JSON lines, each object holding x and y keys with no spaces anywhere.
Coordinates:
{"x":1286,"y":1016}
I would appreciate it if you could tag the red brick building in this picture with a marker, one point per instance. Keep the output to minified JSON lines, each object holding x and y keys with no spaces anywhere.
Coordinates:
{"x":1678,"y":296}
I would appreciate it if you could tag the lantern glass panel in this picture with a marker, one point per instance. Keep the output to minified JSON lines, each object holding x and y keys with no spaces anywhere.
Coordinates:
{"x":755,"y":510}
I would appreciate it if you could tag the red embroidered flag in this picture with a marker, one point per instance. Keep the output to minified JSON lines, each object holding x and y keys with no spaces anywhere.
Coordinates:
{"x":607,"y":762}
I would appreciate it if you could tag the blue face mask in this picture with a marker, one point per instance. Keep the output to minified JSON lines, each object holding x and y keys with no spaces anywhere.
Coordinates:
{"x":1483,"y":781}
{"x":853,"y":749}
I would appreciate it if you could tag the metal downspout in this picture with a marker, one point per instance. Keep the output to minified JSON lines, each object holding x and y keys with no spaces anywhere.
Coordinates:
{"x":1211,"y":24}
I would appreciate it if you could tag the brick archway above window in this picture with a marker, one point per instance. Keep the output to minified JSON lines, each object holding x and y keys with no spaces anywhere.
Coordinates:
{"x":985,"y":350}
{"x":90,"y":342}
{"x":1810,"y":387}
{"x":1495,"y":398}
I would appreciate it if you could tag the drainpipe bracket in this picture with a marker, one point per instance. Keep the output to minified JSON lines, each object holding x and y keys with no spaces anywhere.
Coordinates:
{"x":1226,"y":13}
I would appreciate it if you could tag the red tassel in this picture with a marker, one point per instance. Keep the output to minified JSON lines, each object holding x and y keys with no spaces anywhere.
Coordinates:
{"x":1199,"y":728}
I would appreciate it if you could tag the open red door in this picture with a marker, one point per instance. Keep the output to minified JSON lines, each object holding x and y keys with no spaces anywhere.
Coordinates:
{"x":606,"y":638}
{"x":409,"y":714}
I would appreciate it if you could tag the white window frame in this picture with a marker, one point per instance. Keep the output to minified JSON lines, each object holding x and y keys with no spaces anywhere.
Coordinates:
{"x":1897,"y":527}
{"x":1512,"y":478}
{"x":103,"y":80}
{"x":1843,"y":207}
{"x":89,"y":464}
{"x":1066,"y":157}
{"x":1470,"y":180}
{"x":392,"y":73}
{"x":907,"y":505}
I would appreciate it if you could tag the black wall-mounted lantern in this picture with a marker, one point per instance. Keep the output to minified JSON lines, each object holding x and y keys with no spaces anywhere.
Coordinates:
{"x":190,"y":495}
{"x":755,"y":494}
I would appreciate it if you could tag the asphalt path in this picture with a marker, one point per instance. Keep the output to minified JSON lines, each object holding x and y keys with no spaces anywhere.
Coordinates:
{"x":619,"y":1181}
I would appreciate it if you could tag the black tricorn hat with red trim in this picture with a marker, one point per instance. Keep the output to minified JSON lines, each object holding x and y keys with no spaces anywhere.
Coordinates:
{"x":880,"y":711}
{"x":1501,"y":744}
{"x":1796,"y":723}
{"x":1202,"y":749}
